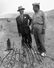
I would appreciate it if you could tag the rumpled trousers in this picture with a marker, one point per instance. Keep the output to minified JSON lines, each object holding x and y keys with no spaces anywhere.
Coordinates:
{"x":39,"y":39}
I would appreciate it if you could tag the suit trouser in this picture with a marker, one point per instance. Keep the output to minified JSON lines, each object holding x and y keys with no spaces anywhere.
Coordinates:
{"x":40,"y":40}
{"x":26,"y":36}
{"x":27,"y":39}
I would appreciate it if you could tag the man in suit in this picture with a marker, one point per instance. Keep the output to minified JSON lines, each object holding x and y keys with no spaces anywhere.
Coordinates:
{"x":39,"y":26}
{"x":23,"y":23}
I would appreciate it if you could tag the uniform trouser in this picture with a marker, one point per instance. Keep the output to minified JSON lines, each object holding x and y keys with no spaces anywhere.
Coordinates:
{"x":40,"y":40}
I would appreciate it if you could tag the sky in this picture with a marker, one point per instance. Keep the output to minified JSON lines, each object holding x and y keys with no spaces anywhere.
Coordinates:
{"x":11,"y":6}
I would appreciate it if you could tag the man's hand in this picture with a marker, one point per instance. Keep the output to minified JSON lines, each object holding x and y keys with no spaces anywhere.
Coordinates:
{"x":30,"y":27}
{"x":43,"y":31}
{"x":32,"y":30}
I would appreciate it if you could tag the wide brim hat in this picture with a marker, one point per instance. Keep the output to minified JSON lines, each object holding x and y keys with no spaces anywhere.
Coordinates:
{"x":20,"y":8}
{"x":35,"y":4}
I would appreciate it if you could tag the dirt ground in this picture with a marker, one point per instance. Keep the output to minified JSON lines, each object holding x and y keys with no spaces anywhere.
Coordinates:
{"x":10,"y":31}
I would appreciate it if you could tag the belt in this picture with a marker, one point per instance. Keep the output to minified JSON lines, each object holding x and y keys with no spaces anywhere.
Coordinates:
{"x":38,"y":23}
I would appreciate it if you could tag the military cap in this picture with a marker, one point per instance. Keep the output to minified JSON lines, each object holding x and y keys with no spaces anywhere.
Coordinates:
{"x":20,"y":8}
{"x":34,"y":4}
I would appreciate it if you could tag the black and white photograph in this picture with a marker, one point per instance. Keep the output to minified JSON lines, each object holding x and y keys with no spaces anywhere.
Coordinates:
{"x":26,"y":33}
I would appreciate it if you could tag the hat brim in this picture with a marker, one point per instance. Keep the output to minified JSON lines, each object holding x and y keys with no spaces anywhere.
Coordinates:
{"x":21,"y":9}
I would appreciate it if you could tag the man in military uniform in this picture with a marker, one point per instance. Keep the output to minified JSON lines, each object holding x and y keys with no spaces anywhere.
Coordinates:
{"x":23,"y":23}
{"x":38,"y":27}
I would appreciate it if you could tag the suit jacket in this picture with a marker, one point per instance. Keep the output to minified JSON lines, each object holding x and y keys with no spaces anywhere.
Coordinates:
{"x":23,"y":25}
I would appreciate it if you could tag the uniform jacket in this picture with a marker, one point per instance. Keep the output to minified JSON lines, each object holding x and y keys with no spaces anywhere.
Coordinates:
{"x":23,"y":25}
{"x":39,"y":18}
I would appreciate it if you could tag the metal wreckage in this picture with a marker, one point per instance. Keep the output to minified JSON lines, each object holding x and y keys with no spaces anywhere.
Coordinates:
{"x":15,"y":57}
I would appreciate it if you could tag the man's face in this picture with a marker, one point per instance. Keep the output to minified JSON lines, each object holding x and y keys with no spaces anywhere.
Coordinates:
{"x":35,"y":8}
{"x":21,"y":11}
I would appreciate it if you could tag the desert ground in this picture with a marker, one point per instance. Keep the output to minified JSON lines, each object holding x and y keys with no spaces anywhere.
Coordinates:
{"x":9,"y":30}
